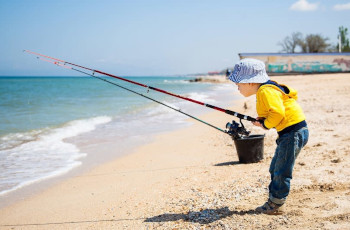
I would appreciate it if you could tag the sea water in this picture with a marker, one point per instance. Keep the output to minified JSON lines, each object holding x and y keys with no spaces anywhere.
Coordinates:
{"x":39,"y":115}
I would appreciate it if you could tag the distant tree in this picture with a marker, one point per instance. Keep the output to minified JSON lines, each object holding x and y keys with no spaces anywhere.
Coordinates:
{"x":343,"y":32}
{"x":314,"y":43}
{"x":290,"y":43}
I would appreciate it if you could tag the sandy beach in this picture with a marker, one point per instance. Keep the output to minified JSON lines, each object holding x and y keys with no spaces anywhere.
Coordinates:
{"x":191,"y":178}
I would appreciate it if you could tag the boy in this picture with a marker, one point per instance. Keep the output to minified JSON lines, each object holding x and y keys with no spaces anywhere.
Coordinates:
{"x":277,"y":108}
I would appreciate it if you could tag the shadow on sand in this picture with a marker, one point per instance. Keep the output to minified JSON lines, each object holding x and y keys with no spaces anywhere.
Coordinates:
{"x":206,"y":216}
{"x":228,"y":163}
{"x":203,"y":217}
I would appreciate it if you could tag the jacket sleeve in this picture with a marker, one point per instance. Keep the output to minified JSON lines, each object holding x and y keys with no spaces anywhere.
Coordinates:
{"x":270,"y":105}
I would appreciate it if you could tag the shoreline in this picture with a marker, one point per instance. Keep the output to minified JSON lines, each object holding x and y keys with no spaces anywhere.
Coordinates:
{"x":98,"y":152}
{"x":191,"y":177}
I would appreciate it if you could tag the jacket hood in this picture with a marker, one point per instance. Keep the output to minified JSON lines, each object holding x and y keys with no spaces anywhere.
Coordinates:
{"x":290,"y":92}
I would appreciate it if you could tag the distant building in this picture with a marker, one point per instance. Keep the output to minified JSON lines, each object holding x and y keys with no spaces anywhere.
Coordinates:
{"x":302,"y":62}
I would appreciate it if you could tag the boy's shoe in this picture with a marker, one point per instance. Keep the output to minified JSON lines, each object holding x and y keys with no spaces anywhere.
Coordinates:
{"x":270,"y":208}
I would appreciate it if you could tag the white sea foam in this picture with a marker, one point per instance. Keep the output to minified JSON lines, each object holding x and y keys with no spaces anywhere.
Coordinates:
{"x":164,"y":115}
{"x":179,"y":104}
{"x":34,"y":156}
{"x":176,"y":81}
{"x":200,"y":97}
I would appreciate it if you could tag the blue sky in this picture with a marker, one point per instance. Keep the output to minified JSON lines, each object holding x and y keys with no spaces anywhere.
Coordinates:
{"x":155,"y":37}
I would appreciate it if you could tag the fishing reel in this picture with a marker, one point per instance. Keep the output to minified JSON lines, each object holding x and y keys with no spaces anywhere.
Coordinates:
{"x":236,"y":130}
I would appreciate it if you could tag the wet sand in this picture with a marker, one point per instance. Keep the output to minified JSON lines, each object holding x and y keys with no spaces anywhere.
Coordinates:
{"x":191,"y":178}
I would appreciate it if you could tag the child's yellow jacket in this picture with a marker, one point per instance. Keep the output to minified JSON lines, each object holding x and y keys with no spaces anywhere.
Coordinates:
{"x":280,"y":109}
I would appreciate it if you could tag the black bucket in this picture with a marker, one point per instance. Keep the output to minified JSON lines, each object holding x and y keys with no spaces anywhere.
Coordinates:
{"x":250,"y":149}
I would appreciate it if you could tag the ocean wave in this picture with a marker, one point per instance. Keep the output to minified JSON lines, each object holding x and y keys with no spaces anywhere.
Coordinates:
{"x":13,"y":140}
{"x":176,"y":81}
{"x":200,"y":97}
{"x":40,"y":154}
{"x":226,"y":87}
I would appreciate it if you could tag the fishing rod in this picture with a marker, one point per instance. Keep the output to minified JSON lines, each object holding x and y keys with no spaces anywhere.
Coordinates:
{"x":64,"y":63}
{"x":234,"y":129}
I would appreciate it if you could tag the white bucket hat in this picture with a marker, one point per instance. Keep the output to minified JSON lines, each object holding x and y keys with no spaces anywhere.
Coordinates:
{"x":249,"y":70}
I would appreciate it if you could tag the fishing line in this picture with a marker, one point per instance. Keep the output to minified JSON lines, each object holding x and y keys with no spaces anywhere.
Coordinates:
{"x":234,"y":129}
{"x":64,"y":63}
{"x":152,"y":99}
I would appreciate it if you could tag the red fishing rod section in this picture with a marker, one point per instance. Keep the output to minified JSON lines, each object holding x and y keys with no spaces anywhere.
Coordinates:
{"x":63,"y":63}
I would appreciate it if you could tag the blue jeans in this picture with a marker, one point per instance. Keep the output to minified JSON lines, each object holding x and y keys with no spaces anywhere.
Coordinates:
{"x":281,"y":168}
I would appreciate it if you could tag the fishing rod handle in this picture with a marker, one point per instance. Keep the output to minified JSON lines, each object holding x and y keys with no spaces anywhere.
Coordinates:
{"x":241,"y":116}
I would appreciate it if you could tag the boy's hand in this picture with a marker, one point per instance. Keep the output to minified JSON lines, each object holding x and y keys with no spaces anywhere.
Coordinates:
{"x":259,"y":122}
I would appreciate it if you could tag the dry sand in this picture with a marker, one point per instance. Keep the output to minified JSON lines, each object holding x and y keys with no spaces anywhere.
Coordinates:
{"x":191,"y":178}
